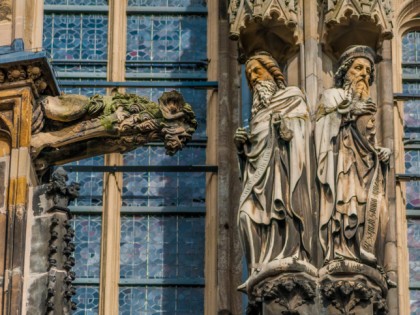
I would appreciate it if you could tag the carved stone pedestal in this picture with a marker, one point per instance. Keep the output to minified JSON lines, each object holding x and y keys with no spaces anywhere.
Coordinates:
{"x":284,"y":286}
{"x":349,"y":287}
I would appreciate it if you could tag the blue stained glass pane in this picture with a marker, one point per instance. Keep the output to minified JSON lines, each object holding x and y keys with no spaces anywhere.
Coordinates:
{"x":156,"y":246}
{"x":76,"y":36}
{"x":87,"y":300}
{"x":168,"y":3}
{"x":91,"y":184}
{"x":411,"y":87}
{"x":412,"y":114}
{"x":139,"y":40}
{"x":413,"y":195}
{"x":166,"y":38}
{"x":87,"y":240}
{"x":158,"y":300}
{"x":411,"y":47}
{"x":76,"y":2}
{"x":155,"y":155}
{"x":157,"y":189}
{"x":413,"y":239}
{"x":412,"y":161}
{"x":87,"y":91}
{"x":193,"y":41}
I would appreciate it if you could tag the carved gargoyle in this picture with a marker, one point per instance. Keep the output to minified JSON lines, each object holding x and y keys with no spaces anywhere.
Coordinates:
{"x":73,"y":127}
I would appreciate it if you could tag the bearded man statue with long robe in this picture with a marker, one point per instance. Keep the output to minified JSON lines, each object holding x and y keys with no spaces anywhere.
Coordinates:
{"x":275,"y":214}
{"x":351,"y":167}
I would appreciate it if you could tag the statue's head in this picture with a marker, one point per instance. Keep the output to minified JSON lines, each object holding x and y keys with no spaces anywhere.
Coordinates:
{"x":263,"y":67}
{"x":264,"y":78}
{"x":356,"y":63}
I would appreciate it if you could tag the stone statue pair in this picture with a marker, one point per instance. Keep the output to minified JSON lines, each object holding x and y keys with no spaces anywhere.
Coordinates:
{"x":277,"y":217}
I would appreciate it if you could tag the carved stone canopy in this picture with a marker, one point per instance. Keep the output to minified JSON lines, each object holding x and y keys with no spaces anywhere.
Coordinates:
{"x":355,"y":22}
{"x":265,"y":25}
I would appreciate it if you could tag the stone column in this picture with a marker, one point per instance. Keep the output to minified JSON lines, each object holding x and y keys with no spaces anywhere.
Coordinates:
{"x":49,"y":289}
{"x":15,"y":128}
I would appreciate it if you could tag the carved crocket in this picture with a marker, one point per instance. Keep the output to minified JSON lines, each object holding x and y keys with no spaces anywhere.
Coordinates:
{"x":73,"y":127}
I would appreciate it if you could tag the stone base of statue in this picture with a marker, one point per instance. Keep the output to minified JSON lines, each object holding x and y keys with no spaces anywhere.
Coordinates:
{"x":286,"y":286}
{"x":349,"y":287}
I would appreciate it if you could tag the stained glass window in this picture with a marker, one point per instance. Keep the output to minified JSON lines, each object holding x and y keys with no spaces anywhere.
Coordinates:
{"x":196,"y":97}
{"x":168,"y":3}
{"x":166,"y":38}
{"x":173,"y":300}
{"x":411,"y":85}
{"x":75,"y":2}
{"x":413,"y":233}
{"x":91,"y":183}
{"x":162,"y":246}
{"x":76,"y":36}
{"x":87,"y":300}
{"x":77,"y":45}
{"x":164,"y":189}
{"x":159,"y":241}
{"x":88,"y":245}
{"x":163,"y":213}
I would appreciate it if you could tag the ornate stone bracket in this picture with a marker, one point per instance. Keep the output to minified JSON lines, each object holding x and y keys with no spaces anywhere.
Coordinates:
{"x":287,"y":286}
{"x":348,"y":287}
{"x":265,"y":25}
{"x":292,"y":287}
{"x":52,"y":260}
{"x":355,"y":22}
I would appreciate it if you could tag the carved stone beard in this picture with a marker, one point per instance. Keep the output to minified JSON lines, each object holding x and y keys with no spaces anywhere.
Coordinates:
{"x":263,"y":92}
{"x":359,"y":86}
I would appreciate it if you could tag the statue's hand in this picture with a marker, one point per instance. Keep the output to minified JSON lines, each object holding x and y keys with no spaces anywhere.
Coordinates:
{"x":384,"y":154}
{"x":240,"y":138}
{"x":363,"y":108}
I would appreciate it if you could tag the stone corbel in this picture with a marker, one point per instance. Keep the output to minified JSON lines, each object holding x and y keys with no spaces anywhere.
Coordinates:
{"x":355,"y":22}
{"x":265,"y":25}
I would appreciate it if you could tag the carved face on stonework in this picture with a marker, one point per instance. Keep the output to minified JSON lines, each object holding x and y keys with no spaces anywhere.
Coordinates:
{"x":257,"y":73}
{"x":263,"y":84}
{"x":358,"y":75}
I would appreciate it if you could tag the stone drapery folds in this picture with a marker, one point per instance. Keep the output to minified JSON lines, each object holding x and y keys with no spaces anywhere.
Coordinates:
{"x":275,"y":211}
{"x":276,"y":218}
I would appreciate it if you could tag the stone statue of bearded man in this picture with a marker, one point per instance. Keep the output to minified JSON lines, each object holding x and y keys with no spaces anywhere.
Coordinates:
{"x":351,"y":167}
{"x":275,"y":215}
